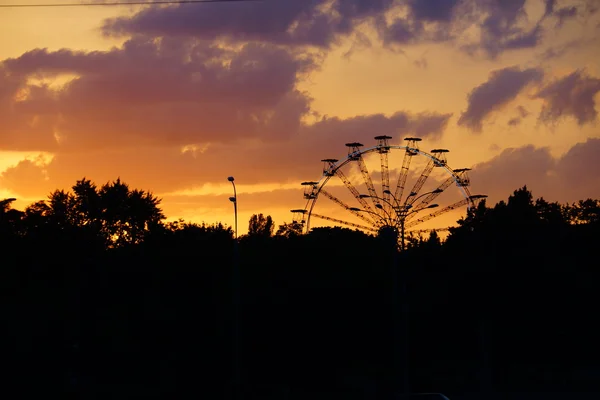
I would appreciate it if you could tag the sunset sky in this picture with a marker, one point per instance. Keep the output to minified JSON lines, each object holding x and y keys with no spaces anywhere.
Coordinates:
{"x":174,"y":99}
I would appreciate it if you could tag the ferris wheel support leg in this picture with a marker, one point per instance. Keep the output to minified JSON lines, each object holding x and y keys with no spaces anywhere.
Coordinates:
{"x":396,"y":371}
{"x":405,"y":337}
{"x":400,"y":328}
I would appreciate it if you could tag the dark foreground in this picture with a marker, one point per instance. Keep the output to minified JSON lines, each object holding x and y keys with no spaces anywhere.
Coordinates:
{"x":507,"y":304}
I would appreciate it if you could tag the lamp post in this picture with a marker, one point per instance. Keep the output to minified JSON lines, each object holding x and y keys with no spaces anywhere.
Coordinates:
{"x":233,"y":199}
{"x":236,"y":289}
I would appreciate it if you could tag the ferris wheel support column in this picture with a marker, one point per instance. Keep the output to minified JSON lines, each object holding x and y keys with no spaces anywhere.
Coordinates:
{"x":402,"y":245}
{"x":405,"y":334}
{"x":400,"y":339}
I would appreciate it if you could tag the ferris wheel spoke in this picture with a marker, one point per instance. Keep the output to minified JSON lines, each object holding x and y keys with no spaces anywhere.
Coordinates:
{"x":435,"y":214}
{"x":346,"y":223}
{"x":435,"y":193}
{"x":411,"y":150}
{"x":368,"y":181}
{"x":354,"y":154}
{"x":353,"y":190}
{"x":346,"y":206}
{"x":438,"y":159}
{"x":420,"y":182}
{"x":385,"y":174}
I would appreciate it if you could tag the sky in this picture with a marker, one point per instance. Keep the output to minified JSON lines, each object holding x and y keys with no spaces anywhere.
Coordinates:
{"x":174,"y":99}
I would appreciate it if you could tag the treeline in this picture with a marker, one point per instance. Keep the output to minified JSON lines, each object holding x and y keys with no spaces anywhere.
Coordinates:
{"x":102,"y":298}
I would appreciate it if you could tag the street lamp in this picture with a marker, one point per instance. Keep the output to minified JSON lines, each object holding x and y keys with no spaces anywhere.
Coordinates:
{"x":233,"y":199}
{"x":237,"y":371}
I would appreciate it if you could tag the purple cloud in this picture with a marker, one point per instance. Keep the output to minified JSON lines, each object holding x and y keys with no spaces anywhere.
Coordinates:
{"x":308,"y":22}
{"x":570,"y":96}
{"x":502,"y":86}
{"x":432,"y":10}
{"x":571,"y":177}
{"x":193,"y":93}
{"x":322,"y":23}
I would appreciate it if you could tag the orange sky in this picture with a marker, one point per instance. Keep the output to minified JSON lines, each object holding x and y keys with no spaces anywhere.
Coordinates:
{"x":175,"y":99}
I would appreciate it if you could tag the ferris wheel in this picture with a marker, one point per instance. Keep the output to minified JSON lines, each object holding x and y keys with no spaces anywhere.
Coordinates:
{"x":387,"y":188}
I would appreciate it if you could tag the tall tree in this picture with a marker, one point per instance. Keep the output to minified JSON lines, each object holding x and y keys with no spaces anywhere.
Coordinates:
{"x":127,"y":215}
{"x":260,"y":226}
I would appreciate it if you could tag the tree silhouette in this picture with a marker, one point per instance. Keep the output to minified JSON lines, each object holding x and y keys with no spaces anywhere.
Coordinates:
{"x":586,"y":212}
{"x":260,"y":226}
{"x":127,"y":215}
{"x":10,"y":219}
{"x":288,"y":230}
{"x":507,"y":300}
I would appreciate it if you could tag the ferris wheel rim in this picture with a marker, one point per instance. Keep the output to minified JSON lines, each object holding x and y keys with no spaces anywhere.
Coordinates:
{"x":351,"y":157}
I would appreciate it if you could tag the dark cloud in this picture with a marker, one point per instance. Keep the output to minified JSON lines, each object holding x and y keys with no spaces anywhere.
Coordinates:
{"x":307,"y":22}
{"x":166,"y":92}
{"x":502,"y":86}
{"x":503,"y":24}
{"x":570,"y":96}
{"x":425,"y":21}
{"x":432,"y":10}
{"x":574,"y":176}
{"x":564,"y":14}
{"x":502,"y":28}
{"x":549,"y":7}
{"x":575,"y":9}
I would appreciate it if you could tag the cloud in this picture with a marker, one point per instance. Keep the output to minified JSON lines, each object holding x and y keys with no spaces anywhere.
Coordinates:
{"x":27,"y":114}
{"x":27,"y":179}
{"x":502,"y":86}
{"x":571,"y":177}
{"x":501,"y":25}
{"x":502,"y":28}
{"x":432,"y":10}
{"x":579,"y":169}
{"x":580,"y":9}
{"x":169,"y":169}
{"x":522,"y":113}
{"x":192,"y":93}
{"x":570,"y":96}
{"x":294,"y":23}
